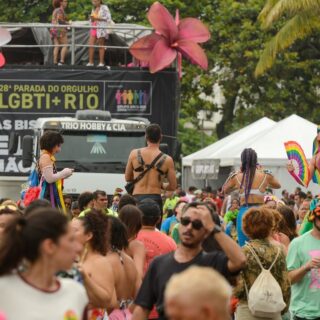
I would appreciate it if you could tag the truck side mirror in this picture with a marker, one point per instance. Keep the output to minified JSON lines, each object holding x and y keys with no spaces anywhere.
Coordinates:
{"x":13,"y":142}
{"x":164,"y":148}
{"x":177,"y":151}
{"x":27,"y":151}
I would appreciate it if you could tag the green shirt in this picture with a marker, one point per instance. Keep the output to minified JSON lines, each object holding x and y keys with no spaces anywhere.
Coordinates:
{"x":107,"y":211}
{"x":306,"y":225}
{"x":230,"y":216}
{"x":305,"y":297}
{"x":170,"y":203}
{"x":175,"y":234}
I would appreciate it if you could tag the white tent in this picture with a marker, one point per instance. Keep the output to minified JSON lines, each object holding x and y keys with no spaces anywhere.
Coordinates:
{"x":235,"y":139}
{"x":269,"y":145}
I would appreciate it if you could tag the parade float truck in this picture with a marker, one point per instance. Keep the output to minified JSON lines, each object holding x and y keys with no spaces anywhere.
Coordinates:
{"x":95,"y":146}
{"x":101,"y":112}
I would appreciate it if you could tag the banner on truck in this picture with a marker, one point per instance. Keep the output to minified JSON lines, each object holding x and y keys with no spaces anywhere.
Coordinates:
{"x":29,"y":94}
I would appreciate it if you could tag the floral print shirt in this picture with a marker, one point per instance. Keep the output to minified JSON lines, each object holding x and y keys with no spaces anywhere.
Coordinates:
{"x":267,"y":253}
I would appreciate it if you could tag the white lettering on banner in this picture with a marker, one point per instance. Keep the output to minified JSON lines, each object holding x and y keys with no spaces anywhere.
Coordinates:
{"x":12,"y":165}
{"x":92,"y":126}
{"x":6,"y":125}
{"x":24,"y":124}
{"x":4,"y":139}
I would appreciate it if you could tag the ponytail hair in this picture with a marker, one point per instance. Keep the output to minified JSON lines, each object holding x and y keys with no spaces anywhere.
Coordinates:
{"x":23,"y":236}
{"x":249,"y":161}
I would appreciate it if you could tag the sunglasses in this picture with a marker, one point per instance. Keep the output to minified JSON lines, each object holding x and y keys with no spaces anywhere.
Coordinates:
{"x":196,"y":224}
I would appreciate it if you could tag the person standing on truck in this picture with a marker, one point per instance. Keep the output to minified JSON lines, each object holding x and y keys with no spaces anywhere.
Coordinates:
{"x":59,"y":34}
{"x":149,"y":187}
{"x":51,"y":181}
{"x":100,"y":17}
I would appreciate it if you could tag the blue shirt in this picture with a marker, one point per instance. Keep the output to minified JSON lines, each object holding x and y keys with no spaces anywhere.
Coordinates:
{"x":168,"y":224}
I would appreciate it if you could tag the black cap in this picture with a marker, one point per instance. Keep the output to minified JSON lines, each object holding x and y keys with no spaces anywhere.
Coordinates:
{"x":149,"y":208}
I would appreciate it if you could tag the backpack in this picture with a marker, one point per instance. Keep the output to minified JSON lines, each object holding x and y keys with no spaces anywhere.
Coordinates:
{"x":265,"y":297}
{"x":33,"y":191}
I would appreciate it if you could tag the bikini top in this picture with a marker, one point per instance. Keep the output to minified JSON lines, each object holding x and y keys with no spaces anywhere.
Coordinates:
{"x":123,"y":303}
{"x":256,"y":191}
{"x":143,"y":166}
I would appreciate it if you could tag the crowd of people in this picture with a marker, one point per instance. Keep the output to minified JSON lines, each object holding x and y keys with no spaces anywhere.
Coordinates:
{"x":161,"y":252}
{"x":100,"y":18}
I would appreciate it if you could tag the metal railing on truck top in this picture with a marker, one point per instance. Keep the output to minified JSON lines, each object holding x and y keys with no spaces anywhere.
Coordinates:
{"x":128,"y":32}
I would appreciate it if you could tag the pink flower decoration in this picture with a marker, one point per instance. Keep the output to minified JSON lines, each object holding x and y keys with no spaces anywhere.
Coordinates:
{"x":161,"y":47}
{"x":5,"y":37}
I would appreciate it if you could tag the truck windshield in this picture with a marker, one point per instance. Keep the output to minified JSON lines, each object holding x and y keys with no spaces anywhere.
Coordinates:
{"x":110,"y":147}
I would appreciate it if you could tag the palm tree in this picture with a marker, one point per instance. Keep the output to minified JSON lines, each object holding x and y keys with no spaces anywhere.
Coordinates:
{"x":302,"y":18}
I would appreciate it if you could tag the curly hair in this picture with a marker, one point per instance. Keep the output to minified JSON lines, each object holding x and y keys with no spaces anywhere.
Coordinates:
{"x":97,"y":223}
{"x":50,"y":139}
{"x":56,"y":3}
{"x":258,"y":222}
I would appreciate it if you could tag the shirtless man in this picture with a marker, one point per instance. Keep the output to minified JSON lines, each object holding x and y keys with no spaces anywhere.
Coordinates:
{"x":151,"y":184}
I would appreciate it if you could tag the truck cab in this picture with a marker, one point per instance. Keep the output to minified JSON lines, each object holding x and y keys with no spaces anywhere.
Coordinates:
{"x":95,"y":145}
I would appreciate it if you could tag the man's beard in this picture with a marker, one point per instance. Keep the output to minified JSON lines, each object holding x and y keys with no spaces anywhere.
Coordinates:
{"x":191,"y":245}
{"x":315,"y":224}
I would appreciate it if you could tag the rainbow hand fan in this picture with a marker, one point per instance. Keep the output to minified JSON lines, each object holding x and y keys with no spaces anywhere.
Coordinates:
{"x":301,"y":172}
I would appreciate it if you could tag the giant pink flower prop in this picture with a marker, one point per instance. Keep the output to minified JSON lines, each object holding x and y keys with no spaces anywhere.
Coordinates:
{"x":5,"y":37}
{"x":169,"y":39}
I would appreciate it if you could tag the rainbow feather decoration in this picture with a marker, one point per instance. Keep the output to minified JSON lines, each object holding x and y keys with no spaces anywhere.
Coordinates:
{"x":301,"y":173}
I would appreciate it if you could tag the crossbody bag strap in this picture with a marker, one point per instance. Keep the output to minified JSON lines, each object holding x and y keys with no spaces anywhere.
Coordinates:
{"x":275,"y":259}
{"x":140,"y":159}
{"x":142,"y":174}
{"x":255,"y":256}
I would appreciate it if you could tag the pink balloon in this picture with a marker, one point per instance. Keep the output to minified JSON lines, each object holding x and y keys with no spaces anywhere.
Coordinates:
{"x":2,"y":316}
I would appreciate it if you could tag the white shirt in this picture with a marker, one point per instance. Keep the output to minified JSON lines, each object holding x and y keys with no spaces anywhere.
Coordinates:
{"x":20,"y":300}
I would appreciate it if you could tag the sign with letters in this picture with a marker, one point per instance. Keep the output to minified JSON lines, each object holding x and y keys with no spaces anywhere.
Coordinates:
{"x":205,"y":169}
{"x":28,"y":94}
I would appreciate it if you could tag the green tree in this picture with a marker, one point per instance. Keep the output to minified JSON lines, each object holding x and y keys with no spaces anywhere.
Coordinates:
{"x":300,"y":19}
{"x":291,"y":86}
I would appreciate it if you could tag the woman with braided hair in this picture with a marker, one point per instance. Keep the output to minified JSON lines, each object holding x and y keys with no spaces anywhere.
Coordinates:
{"x":251,"y":181}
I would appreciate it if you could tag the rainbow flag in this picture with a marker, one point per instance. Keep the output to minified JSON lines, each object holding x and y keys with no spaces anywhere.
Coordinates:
{"x":301,"y":173}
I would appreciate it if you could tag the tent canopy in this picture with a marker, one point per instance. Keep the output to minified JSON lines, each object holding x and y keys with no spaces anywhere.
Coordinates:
{"x":240,"y":137}
{"x":266,"y":137}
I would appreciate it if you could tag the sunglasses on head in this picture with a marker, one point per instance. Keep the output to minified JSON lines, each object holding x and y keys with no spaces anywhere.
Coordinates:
{"x":196,"y":224}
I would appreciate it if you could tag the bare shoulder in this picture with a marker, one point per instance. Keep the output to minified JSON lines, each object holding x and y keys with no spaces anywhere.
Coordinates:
{"x":233,"y":176}
{"x":133,"y":153}
{"x":45,"y":160}
{"x":102,"y":263}
{"x":169,"y":161}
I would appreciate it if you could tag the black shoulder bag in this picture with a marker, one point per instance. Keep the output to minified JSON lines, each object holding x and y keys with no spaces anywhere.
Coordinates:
{"x":130,"y":185}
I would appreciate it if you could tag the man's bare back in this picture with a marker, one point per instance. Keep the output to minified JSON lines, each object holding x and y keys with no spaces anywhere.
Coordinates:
{"x":152,"y":181}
